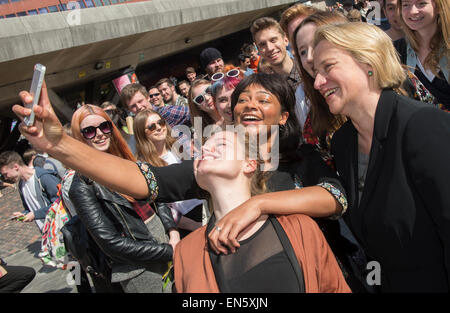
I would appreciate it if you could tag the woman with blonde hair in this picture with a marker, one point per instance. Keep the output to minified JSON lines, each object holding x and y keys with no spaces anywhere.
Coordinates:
{"x":392,"y":156}
{"x":426,"y":48}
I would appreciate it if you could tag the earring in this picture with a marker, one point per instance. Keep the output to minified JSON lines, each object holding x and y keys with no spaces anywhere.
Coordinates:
{"x":370,"y":73}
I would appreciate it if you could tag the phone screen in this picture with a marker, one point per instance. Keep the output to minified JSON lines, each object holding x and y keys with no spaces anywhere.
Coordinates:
{"x":35,"y":91}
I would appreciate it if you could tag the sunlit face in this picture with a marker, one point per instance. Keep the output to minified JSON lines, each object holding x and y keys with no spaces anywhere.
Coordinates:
{"x":305,"y":38}
{"x":258,"y":106}
{"x":155,"y":97}
{"x":272,"y":45}
{"x":138,"y":103}
{"x":11,"y":173}
{"x":166,"y":92}
{"x":223,"y":158}
{"x":390,"y":11}
{"x":339,"y":78}
{"x":419,"y":14}
{"x":160,"y":131}
{"x":184,"y":89}
{"x":208,"y":104}
{"x":223,"y":104}
{"x":215,"y":66}
{"x":101,"y":141}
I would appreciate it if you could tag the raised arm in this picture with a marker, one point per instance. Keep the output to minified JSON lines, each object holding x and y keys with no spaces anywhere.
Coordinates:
{"x":48,"y":135}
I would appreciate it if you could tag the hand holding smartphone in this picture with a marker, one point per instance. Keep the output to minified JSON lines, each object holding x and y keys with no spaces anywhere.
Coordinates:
{"x":35,"y":91}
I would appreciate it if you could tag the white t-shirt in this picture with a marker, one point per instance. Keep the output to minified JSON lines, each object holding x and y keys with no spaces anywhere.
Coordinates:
{"x":181,"y":206}
{"x":301,"y":106}
{"x":30,"y":197}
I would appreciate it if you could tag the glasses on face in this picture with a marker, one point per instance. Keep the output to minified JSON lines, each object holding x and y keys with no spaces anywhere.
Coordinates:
{"x":231,"y":73}
{"x":152,"y":126}
{"x":198,"y":100}
{"x":90,"y":131}
{"x":154,"y":95}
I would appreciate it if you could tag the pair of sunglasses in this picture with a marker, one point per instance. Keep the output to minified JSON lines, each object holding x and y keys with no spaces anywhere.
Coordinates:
{"x":152,"y":126}
{"x":201,"y":97}
{"x":154,"y":95}
{"x":231,"y":73}
{"x":90,"y":131}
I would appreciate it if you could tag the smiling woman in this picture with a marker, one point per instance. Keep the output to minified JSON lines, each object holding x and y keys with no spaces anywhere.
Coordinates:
{"x":391,"y":155}
{"x":426,"y":47}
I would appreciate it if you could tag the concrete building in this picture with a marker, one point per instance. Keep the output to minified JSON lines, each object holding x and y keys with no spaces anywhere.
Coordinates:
{"x":85,"y":49}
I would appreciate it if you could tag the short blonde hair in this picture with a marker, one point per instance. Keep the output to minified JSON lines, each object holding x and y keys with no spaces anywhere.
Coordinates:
{"x":368,"y":45}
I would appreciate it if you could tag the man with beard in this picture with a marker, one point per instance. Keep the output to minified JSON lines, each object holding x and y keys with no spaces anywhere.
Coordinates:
{"x":169,"y":94}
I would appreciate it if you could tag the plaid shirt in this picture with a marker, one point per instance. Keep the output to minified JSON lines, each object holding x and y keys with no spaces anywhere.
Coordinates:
{"x":174,"y":114}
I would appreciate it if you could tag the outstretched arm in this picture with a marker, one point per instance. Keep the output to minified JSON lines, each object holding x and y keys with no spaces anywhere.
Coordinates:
{"x":313,"y":201}
{"x":48,"y":135}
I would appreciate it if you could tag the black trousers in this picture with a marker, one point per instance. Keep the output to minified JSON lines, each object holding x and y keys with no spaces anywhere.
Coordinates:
{"x":17,"y":278}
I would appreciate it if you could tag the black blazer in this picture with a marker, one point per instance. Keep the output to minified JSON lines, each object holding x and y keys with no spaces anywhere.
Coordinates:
{"x":403,"y":219}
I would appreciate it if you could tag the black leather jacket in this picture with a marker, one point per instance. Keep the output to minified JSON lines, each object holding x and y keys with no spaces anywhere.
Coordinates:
{"x":114,"y":224}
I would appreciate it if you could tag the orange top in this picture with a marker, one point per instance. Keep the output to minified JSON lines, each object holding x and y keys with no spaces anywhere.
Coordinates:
{"x":194,"y":272}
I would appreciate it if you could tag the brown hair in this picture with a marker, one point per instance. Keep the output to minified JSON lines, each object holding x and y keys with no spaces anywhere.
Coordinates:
{"x":164,"y":80}
{"x":7,"y":158}
{"x":190,"y":70}
{"x":28,"y":155}
{"x":193,"y":108}
{"x":263,"y":23}
{"x":129,"y":91}
{"x":354,"y":16}
{"x":145,"y":149}
{"x":294,"y":12}
{"x":440,"y":42}
{"x":322,"y":120}
{"x":118,"y":146}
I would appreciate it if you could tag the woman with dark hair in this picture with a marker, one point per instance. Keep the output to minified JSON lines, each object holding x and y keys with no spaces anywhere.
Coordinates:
{"x":320,"y":124}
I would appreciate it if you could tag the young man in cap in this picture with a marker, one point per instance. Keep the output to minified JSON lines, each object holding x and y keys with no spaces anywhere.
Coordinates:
{"x":272,"y":42}
{"x":212,"y":62}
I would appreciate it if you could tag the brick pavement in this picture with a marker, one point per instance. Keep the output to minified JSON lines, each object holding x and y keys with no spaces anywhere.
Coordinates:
{"x":14,"y":236}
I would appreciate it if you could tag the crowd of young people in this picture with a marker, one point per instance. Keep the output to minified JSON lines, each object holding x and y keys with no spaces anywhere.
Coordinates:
{"x":311,"y":168}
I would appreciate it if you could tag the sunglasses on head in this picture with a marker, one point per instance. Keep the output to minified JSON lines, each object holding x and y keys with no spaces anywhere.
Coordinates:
{"x":152,"y":126}
{"x":154,"y":95}
{"x":198,"y":100}
{"x":90,"y":131}
{"x":231,"y":73}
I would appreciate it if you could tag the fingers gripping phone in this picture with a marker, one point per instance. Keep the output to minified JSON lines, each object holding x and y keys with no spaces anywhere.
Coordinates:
{"x":35,"y":91}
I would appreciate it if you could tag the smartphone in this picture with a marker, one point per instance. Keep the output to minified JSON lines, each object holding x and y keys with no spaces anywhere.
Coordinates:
{"x":35,"y":91}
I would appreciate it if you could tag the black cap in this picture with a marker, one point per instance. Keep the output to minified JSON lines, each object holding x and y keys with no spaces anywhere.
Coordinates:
{"x":208,"y":55}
